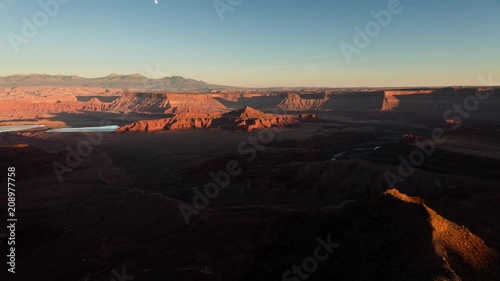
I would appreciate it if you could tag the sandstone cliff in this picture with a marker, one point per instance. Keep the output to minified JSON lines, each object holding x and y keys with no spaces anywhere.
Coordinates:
{"x":293,"y":102}
{"x":36,"y":102}
{"x":246,"y":119}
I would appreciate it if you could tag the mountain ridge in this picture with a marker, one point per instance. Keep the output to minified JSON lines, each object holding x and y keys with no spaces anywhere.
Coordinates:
{"x":129,"y":81}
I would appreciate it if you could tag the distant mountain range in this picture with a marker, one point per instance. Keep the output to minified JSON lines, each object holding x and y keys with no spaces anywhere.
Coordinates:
{"x":139,"y":82}
{"x":132,"y":81}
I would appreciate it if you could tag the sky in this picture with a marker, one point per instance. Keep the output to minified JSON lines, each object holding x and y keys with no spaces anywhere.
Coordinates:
{"x":257,"y":43}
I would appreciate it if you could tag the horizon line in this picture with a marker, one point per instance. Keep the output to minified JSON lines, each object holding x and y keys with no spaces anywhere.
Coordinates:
{"x":249,"y":87}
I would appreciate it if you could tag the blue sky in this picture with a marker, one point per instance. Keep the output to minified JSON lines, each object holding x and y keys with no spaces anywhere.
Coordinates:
{"x":259,"y":42}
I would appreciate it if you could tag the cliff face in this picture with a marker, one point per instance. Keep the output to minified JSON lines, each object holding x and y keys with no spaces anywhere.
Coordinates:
{"x":414,"y":100}
{"x":194,"y":103}
{"x":262,"y":101}
{"x":437,"y":100}
{"x":354,"y":101}
{"x":293,"y":102}
{"x":168,"y":124}
{"x":141,"y":103}
{"x":463,"y":254}
{"x":25,"y":103}
{"x":246,"y":119}
{"x":167,"y":103}
{"x":32,"y":109}
{"x":391,"y":101}
{"x":33,"y":102}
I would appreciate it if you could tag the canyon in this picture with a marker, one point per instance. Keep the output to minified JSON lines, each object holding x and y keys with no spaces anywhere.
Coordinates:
{"x":116,"y":199}
{"x":245,"y":119}
{"x":24,"y":103}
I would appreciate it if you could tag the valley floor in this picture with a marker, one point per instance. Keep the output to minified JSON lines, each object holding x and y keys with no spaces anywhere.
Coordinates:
{"x":139,"y":203}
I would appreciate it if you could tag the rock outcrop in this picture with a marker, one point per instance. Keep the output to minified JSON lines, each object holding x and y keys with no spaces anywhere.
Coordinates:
{"x":37,"y":102}
{"x":293,"y":102}
{"x":464,"y":255}
{"x":391,"y":100}
{"x":409,"y":138}
{"x":246,"y":119}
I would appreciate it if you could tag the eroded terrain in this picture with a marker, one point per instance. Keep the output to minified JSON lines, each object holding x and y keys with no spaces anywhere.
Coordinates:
{"x":333,"y":171}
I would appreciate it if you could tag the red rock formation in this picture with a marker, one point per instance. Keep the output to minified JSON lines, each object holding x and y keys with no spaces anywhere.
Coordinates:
{"x":391,"y":100}
{"x":246,"y":119}
{"x":245,"y":112}
{"x":293,"y":102}
{"x":309,"y":117}
{"x":409,"y":138}
{"x":461,"y":251}
{"x":40,"y":102}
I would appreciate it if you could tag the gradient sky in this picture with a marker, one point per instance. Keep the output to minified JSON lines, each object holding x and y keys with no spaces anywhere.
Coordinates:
{"x":261,"y":42}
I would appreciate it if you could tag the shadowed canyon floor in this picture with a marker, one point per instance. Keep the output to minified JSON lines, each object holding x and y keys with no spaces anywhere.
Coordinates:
{"x":312,"y":165}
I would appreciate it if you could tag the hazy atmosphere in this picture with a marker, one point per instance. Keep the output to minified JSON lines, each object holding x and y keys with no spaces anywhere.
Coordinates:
{"x":258,"y":43}
{"x":250,"y":140}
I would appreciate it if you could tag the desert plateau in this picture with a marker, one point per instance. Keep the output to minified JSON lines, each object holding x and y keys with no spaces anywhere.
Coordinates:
{"x":225,"y":184}
{"x":238,"y":140}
